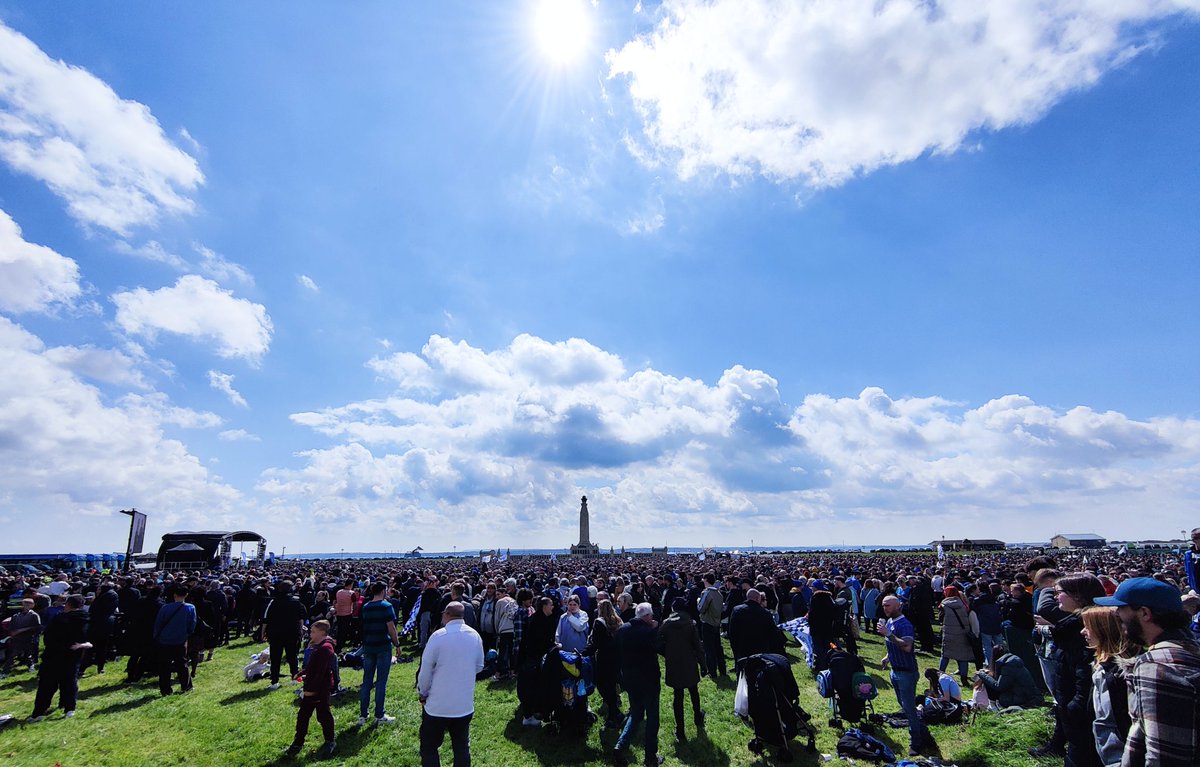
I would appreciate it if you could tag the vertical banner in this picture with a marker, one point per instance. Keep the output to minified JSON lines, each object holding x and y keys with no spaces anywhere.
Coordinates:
{"x":137,"y":532}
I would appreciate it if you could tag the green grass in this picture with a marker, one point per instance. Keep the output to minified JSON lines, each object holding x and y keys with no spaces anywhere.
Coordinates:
{"x":225,"y":722}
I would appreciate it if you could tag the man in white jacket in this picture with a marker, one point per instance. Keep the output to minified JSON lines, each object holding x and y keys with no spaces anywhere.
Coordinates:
{"x":446,"y":687}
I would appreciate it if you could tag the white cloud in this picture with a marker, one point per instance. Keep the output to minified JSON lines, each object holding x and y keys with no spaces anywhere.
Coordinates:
{"x":200,"y":309}
{"x":33,"y":278}
{"x":219,"y":268}
{"x":238,"y":435}
{"x":223,"y":382}
{"x":70,"y":460}
{"x":152,"y":251}
{"x":106,"y":365}
{"x":822,"y":90}
{"x":106,"y":157}
{"x":511,"y":436}
{"x":307,"y":282}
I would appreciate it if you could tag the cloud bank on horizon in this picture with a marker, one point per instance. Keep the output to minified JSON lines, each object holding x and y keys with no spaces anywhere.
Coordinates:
{"x":111,"y":340}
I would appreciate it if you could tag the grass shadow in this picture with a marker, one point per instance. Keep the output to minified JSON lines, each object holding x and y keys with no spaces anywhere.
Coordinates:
{"x":552,"y":748}
{"x":701,"y":751}
{"x":92,"y":692}
{"x":24,"y":685}
{"x":126,"y":706}
{"x":245,"y":695}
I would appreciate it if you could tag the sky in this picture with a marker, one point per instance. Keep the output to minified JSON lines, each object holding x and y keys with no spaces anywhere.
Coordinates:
{"x":805,"y":272}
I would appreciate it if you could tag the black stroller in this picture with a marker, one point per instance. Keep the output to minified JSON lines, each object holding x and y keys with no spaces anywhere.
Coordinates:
{"x":774,"y":714}
{"x":567,"y":683}
{"x":848,"y":687}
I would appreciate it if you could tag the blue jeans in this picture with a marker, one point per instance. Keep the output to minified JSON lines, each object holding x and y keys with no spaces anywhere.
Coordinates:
{"x":376,"y":667}
{"x":904,"y":683}
{"x":643,"y":703}
{"x":962,"y":668}
{"x":989,"y":642}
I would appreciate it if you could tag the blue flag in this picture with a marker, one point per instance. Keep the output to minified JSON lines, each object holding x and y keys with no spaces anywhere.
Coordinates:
{"x":411,"y":623}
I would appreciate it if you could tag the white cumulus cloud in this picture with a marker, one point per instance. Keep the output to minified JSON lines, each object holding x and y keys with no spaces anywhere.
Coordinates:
{"x":238,"y":435}
{"x":33,"y":277}
{"x":105,"y":156}
{"x":821,"y":90}
{"x":511,"y":436}
{"x":201,"y":309}
{"x":71,"y":459}
{"x":223,"y":382}
{"x":307,"y":283}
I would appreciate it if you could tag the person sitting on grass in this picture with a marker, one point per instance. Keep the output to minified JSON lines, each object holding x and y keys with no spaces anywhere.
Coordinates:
{"x":318,"y":687}
{"x":1008,"y":681}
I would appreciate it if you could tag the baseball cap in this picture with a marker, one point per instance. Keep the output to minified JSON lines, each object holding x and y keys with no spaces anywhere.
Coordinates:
{"x":1144,"y":592}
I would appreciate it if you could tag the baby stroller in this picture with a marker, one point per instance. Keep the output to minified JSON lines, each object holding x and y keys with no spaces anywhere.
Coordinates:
{"x":774,"y":711}
{"x":848,"y":687}
{"x":567,"y":679}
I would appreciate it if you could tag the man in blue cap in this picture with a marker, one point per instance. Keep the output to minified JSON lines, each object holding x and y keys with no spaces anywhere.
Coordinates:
{"x":1164,"y":683}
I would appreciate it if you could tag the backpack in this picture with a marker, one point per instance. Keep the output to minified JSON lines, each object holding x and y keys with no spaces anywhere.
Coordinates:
{"x":825,"y":684}
{"x":941,"y":712}
{"x":856,"y":744}
{"x":864,"y":686}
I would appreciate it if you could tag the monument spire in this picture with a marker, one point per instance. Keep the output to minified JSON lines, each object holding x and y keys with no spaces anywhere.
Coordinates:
{"x":585,"y":547}
{"x":585,"y":536}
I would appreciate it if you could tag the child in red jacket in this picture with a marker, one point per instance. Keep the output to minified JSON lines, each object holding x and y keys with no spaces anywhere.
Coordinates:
{"x":318,"y":686}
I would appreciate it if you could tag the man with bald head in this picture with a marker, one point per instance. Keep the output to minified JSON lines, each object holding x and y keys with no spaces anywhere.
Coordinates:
{"x":752,"y":630}
{"x":446,"y":687}
{"x":898,"y":634}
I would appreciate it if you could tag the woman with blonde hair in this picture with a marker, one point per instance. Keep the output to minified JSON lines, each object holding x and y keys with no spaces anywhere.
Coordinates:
{"x":1110,"y":690}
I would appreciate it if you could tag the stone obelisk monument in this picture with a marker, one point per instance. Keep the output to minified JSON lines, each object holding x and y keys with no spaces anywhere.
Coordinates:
{"x":585,"y":547}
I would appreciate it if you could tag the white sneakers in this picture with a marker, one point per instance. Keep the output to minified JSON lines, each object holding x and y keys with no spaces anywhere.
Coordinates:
{"x":273,"y":686}
{"x":362,"y":722}
{"x":385,"y":719}
{"x":69,"y":714}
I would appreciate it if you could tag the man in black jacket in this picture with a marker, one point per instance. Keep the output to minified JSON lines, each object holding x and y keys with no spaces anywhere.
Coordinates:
{"x":63,"y":642}
{"x":918,"y":609}
{"x":284,"y":623}
{"x":637,"y":646}
{"x":752,"y":630}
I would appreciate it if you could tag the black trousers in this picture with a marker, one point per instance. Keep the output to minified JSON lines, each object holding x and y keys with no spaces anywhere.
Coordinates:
{"x":677,"y":706}
{"x":56,"y":676}
{"x":277,"y":648}
{"x":173,"y":657}
{"x":433,"y":732}
{"x":714,"y":653}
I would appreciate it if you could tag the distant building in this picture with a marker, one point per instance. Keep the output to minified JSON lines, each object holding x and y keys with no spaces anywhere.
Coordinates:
{"x":968,"y":544}
{"x":1078,"y":541}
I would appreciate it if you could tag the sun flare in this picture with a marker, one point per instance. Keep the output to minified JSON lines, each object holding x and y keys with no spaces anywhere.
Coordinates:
{"x":562,"y":28}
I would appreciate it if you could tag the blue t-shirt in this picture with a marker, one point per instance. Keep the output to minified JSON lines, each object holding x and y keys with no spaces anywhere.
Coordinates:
{"x":900,"y":660}
{"x":375,"y":618}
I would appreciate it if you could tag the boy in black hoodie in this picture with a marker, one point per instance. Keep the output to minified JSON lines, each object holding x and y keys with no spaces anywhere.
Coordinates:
{"x":318,"y":686}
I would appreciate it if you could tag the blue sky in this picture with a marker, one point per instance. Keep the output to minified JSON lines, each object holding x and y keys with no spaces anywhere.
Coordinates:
{"x":376,"y":277}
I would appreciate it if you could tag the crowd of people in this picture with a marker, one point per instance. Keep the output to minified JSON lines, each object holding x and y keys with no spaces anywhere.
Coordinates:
{"x":1110,"y":637}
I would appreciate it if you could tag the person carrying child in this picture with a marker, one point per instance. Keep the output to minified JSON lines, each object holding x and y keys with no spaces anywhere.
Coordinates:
{"x":318,"y":687}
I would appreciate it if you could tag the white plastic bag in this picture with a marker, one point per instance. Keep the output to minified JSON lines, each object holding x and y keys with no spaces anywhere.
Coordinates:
{"x":741,"y":698}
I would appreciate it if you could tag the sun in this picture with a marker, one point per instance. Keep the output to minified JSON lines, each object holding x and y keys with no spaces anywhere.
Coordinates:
{"x":562,"y":28}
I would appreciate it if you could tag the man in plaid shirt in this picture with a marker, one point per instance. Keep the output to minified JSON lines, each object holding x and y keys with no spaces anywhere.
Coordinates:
{"x":1164,"y":683}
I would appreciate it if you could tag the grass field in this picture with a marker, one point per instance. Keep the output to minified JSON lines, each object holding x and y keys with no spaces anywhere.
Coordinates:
{"x":225,"y":722}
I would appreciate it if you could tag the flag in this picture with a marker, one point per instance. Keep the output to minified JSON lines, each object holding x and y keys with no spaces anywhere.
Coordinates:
{"x":411,"y":623}
{"x":798,"y":629}
{"x":553,"y":557}
{"x":486,"y":558}
{"x":504,"y":557}
{"x":941,"y":552}
{"x":702,"y":557}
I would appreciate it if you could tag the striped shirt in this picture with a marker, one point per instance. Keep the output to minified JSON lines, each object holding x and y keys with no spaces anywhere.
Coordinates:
{"x":375,"y":618}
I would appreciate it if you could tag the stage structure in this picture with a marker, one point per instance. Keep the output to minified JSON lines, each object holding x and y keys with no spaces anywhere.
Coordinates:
{"x":207,"y":549}
{"x":585,"y":547}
